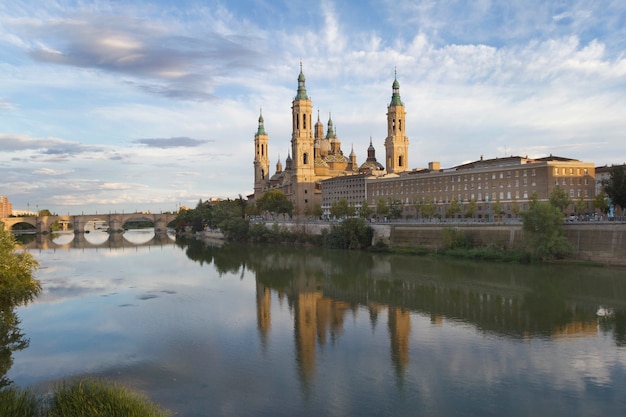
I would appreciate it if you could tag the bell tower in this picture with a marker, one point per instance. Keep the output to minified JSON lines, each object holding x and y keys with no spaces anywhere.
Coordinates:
{"x":302,"y":146}
{"x":396,"y":143}
{"x":261,"y":159}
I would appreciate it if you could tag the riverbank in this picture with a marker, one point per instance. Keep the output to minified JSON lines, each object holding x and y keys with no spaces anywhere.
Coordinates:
{"x":595,"y":242}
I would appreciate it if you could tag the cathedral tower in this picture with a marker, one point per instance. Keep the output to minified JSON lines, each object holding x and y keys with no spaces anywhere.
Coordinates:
{"x":261,"y":159}
{"x":397,"y":143}
{"x":302,"y":146}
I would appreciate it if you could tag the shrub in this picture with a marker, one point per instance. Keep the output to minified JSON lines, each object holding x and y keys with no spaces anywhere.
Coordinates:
{"x":353,"y":233}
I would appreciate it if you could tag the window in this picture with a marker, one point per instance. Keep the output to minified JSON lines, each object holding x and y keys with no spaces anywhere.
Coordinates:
{"x":305,"y":158}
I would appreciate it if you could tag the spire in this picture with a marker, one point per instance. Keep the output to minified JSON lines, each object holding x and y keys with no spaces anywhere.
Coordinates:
{"x":371,"y":152}
{"x":301,"y":86}
{"x":261,"y":130}
{"x":279,"y":166}
{"x":352,"y":152}
{"x":330,"y":133}
{"x":395,"y":96}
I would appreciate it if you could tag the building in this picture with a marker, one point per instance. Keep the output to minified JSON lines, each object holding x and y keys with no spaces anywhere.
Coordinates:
{"x":316,"y":155}
{"x":317,"y":172}
{"x":6,"y":208}
{"x":499,"y":187}
{"x":603,"y":174}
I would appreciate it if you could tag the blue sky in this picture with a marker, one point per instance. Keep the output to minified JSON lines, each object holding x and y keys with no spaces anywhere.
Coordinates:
{"x":146,"y":105}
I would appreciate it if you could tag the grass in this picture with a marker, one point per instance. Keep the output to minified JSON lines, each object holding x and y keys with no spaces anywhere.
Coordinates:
{"x":15,"y":402}
{"x":79,"y":398}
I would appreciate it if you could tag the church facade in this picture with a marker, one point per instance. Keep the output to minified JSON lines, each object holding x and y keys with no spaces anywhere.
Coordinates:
{"x":316,"y":154}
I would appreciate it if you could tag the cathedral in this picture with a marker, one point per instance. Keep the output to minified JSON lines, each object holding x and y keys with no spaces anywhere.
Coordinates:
{"x":316,"y":156}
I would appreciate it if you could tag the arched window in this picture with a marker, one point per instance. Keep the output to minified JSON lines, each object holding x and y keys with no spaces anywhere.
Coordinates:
{"x":400,"y":125}
{"x":400,"y":161}
{"x":305,"y":158}
{"x":304,"y":121}
{"x":263,"y":174}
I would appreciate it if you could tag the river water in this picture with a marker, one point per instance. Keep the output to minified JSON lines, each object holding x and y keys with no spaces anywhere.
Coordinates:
{"x":281,"y":331}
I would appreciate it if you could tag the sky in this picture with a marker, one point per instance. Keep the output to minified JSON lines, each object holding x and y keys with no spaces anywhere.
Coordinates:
{"x":110,"y":106}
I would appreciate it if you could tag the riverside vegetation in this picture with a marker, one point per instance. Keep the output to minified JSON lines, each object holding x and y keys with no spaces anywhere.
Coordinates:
{"x":542,"y":223}
{"x":75,"y":398}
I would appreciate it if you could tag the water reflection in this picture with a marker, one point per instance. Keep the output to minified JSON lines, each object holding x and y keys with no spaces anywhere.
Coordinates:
{"x":515,"y":301}
{"x":11,"y":340}
{"x":329,"y":332}
{"x":95,"y":239}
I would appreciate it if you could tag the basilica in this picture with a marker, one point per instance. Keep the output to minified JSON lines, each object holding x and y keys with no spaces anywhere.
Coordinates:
{"x":316,"y":155}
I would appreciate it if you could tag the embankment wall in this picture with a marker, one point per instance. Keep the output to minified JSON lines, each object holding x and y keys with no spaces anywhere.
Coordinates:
{"x":603,"y":242}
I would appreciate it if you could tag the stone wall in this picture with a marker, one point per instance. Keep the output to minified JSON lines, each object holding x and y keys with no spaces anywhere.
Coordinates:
{"x":592,"y":241}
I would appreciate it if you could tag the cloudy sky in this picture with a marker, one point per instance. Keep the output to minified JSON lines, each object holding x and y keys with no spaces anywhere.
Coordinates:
{"x":145,"y":105}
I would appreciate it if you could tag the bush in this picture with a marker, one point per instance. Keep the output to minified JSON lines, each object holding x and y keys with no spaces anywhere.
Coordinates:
{"x":455,"y":239}
{"x":544,"y":223}
{"x":86,"y":398}
{"x":353,"y":233}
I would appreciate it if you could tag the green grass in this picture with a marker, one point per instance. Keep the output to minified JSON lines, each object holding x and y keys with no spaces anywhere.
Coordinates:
{"x":79,"y":398}
{"x":15,"y":402}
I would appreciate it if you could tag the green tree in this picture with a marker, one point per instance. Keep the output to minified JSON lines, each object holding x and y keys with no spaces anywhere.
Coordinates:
{"x":559,"y":198}
{"x":497,"y":209}
{"x":615,"y":186}
{"x":471,"y":209}
{"x":382,"y":208}
{"x":45,"y":212}
{"x":544,"y":224}
{"x":453,"y":208}
{"x":601,"y":202}
{"x":515,"y":206}
{"x":365,"y":210}
{"x":275,"y":202}
{"x":17,"y":287}
{"x":17,"y":284}
{"x":580,"y":206}
{"x":428,"y":208}
{"x":341,"y":208}
{"x":317,"y":210}
{"x":395,"y":209}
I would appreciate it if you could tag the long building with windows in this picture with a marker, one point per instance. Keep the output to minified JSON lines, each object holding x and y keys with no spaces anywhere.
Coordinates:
{"x":485,"y":188}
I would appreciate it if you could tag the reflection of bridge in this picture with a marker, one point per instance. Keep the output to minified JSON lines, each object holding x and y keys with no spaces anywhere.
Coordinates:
{"x":89,"y":240}
{"x":114,"y":221}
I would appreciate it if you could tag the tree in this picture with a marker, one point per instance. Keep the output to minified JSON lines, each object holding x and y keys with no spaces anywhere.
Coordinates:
{"x":17,"y":284}
{"x":365,"y":210}
{"x":453,"y":208}
{"x":601,"y":202}
{"x":275,"y":202}
{"x":559,"y":198}
{"x":544,"y":223}
{"x":580,"y":206}
{"x":615,"y":186}
{"x":427,"y":208}
{"x":471,"y":209}
{"x":497,"y":208}
{"x":382,"y":209}
{"x":395,"y":209}
{"x":317,"y":210}
{"x":17,"y":287}
{"x":341,"y":208}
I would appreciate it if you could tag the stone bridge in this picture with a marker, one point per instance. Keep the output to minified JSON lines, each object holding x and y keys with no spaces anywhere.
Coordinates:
{"x":79,"y":222}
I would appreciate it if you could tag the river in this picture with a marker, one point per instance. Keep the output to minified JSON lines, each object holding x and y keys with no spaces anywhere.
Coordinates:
{"x":263,"y":330}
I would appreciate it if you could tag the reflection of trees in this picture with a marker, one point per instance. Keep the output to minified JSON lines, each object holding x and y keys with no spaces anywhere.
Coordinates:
{"x":506,"y":299}
{"x":11,"y":340}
